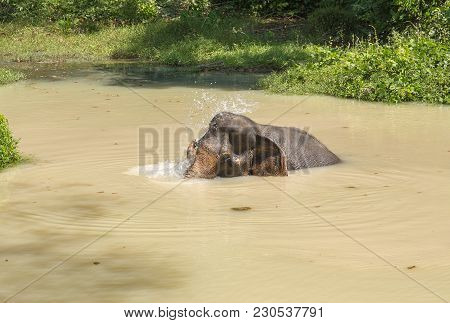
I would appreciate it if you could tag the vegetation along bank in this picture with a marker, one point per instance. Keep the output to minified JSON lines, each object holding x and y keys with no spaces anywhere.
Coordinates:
{"x":380,"y":50}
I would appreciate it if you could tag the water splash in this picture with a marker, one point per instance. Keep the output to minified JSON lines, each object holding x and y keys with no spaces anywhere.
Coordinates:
{"x":207,"y":104}
{"x":167,"y":169}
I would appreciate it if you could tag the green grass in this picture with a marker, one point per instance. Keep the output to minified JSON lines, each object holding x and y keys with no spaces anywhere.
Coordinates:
{"x":9,"y":76}
{"x":49,"y":44}
{"x":9,"y":154}
{"x":231,"y":43}
{"x":408,"y":68}
{"x":228,"y":42}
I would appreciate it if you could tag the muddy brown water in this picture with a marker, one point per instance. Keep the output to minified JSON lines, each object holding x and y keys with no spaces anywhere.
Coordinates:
{"x":77,"y":225}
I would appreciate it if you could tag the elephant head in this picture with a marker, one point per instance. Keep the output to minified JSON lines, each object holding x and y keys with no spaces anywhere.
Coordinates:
{"x":234,"y":146}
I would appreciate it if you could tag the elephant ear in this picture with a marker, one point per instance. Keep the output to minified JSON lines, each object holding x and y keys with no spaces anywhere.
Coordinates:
{"x":241,"y":139}
{"x":268,"y":158}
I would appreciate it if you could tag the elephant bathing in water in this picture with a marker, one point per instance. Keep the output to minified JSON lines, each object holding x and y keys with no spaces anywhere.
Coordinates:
{"x":235,"y":145}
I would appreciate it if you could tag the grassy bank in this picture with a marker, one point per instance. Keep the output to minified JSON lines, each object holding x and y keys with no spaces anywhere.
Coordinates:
{"x":230,"y":43}
{"x":9,"y":76}
{"x":8,"y":145}
{"x":406,"y":68}
{"x":50,"y":44}
{"x":411,"y":67}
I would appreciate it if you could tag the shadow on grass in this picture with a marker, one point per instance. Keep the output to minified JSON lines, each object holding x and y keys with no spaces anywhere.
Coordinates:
{"x":242,"y":44}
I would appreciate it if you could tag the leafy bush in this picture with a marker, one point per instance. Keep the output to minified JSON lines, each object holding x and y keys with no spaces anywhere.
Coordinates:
{"x":331,"y":18}
{"x":23,"y":10}
{"x":8,"y":76}
{"x":176,"y":8}
{"x":36,"y":11}
{"x":418,"y":11}
{"x":89,"y":15}
{"x":332,"y":23}
{"x":8,"y":145}
{"x":413,"y":68}
{"x":385,"y":15}
{"x":375,"y":13}
{"x":79,"y":15}
{"x":431,"y":16}
{"x":267,"y":8}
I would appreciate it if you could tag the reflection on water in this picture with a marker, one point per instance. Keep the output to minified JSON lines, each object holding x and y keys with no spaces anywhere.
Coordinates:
{"x":161,"y":76}
{"x":177,"y":240}
{"x":143,"y":75}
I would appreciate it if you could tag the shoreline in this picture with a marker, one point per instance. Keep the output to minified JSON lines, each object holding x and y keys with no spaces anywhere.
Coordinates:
{"x":394,"y":71}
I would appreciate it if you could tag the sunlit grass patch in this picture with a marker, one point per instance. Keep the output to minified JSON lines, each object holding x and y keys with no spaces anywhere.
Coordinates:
{"x":9,"y":76}
{"x":407,"y":68}
{"x":9,"y":153}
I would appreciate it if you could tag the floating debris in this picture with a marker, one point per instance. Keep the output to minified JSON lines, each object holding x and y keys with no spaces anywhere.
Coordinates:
{"x":96,"y":263}
{"x":241,"y":208}
{"x":411,"y":267}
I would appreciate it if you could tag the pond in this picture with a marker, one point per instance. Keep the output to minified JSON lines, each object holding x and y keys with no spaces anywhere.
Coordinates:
{"x":78,"y":223}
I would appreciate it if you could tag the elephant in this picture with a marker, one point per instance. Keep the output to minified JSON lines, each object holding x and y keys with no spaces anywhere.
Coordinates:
{"x":235,"y":145}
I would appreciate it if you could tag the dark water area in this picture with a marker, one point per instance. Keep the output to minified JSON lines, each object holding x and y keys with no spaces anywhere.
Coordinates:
{"x":146,"y":75}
